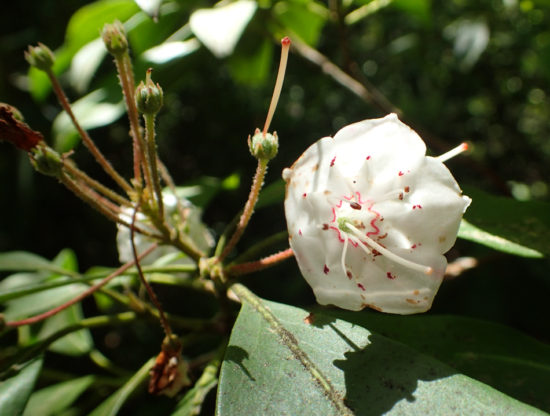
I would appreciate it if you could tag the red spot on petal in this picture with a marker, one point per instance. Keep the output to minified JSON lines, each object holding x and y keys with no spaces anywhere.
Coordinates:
{"x":407,"y":189}
{"x":326,"y":269}
{"x":383,"y":236}
{"x":349,"y":275}
{"x":417,"y":206}
{"x":332,"y":161}
{"x":413,"y":246}
{"x":401,"y":196}
{"x":355,"y":205}
{"x":390,"y":276}
{"x":325,"y":226}
{"x":400,"y":173}
{"x":360,"y":286}
{"x":368,"y":157}
{"x":299,"y":232}
{"x":304,"y":195}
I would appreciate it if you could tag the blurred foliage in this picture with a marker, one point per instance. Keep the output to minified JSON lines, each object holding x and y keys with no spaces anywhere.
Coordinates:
{"x":458,"y":70}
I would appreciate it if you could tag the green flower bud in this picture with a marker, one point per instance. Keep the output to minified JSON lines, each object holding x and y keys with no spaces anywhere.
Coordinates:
{"x":263,"y":146}
{"x":114,"y":37}
{"x":46,"y":160}
{"x":149,"y":96}
{"x":40,"y":57}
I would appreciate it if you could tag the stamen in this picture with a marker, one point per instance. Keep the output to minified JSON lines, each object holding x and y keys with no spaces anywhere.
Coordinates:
{"x":452,"y":153}
{"x":387,"y":253}
{"x":344,"y":251}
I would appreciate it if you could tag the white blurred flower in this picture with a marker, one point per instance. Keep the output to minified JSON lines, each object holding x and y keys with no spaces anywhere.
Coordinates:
{"x":369,"y":217}
{"x":194,"y":227}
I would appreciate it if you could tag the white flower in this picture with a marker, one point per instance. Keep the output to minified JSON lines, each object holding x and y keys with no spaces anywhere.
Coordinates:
{"x":196,"y":230}
{"x":369,"y":217}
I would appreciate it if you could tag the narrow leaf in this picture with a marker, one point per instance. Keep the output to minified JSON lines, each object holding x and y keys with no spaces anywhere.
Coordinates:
{"x":15,"y":391}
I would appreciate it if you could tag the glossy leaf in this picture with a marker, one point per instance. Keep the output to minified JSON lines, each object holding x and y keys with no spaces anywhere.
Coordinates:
{"x":500,"y":356}
{"x":52,"y":400}
{"x":369,"y":373}
{"x":515,"y":227}
{"x":24,"y":261}
{"x":303,"y":18}
{"x":16,"y":390}
{"x":91,"y":111}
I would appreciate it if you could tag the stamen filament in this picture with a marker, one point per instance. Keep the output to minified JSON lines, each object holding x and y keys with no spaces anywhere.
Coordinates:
{"x":285,"y":42}
{"x":388,"y":253}
{"x":453,"y":152}
{"x":344,"y":251}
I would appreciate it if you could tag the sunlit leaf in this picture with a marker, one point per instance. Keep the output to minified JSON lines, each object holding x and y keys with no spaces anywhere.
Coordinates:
{"x":91,"y":112}
{"x":220,"y":28}
{"x":369,"y":373}
{"x":515,"y":227}
{"x":168,"y":51}
{"x":85,"y":63}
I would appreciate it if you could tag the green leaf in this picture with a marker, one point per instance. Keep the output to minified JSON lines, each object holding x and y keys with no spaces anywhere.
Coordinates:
{"x":515,"y":227}
{"x":52,"y":400}
{"x":369,"y":373}
{"x":24,"y":261}
{"x":114,"y":403}
{"x":252,"y":67}
{"x":303,"y":18}
{"x":15,"y":391}
{"x":500,"y":356}
{"x":220,"y":28}
{"x":92,"y":111}
{"x":74,"y":344}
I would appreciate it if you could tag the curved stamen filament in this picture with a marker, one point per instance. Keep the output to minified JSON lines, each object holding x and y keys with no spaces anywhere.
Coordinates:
{"x":385,"y":252}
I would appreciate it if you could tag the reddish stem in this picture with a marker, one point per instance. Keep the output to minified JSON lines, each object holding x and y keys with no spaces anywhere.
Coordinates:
{"x":254,"y":266}
{"x":83,"y":295}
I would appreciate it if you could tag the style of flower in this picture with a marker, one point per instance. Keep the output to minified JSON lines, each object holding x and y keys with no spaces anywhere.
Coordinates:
{"x":370,"y":216}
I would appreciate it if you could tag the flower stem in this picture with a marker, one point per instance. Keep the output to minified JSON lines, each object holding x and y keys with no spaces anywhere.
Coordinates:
{"x":152,"y":151}
{"x":152,"y":295}
{"x":257,"y":184}
{"x":254,"y":266}
{"x":260,"y":247}
{"x":84,"y":294}
{"x":88,"y":142}
{"x":92,"y":183}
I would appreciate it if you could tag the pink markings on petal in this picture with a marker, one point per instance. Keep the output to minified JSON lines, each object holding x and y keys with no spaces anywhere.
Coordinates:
{"x":390,"y":276}
{"x":359,"y":198}
{"x":373,"y":222}
{"x":326,"y":269}
{"x":417,"y":206}
{"x":299,"y":232}
{"x":332,"y":161}
{"x":400,"y":173}
{"x":334,"y":214}
{"x":360,"y":286}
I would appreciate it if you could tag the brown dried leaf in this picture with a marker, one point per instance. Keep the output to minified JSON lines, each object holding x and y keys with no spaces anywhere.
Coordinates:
{"x":17,"y":132}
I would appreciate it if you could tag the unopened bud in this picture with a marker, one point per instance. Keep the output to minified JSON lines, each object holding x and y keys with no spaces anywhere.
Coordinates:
{"x":40,"y":56}
{"x":46,"y":160}
{"x":114,"y":37}
{"x":263,"y":146}
{"x":149,"y":96}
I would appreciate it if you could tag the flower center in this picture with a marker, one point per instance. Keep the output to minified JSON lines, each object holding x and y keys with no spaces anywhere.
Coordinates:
{"x":357,"y":223}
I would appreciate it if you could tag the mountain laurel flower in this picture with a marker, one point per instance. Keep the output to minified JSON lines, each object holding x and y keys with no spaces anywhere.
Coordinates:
{"x":370,"y":216}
